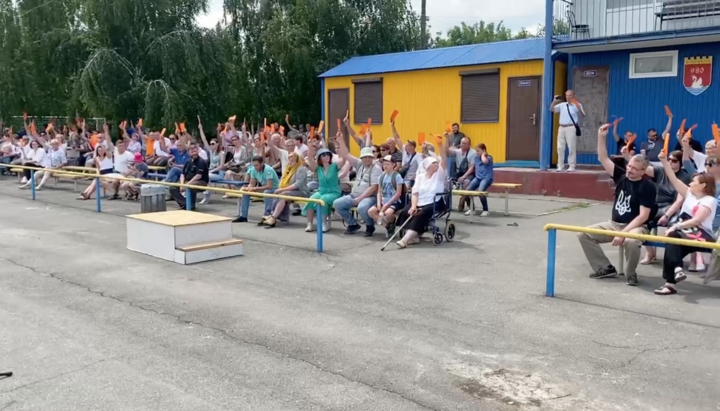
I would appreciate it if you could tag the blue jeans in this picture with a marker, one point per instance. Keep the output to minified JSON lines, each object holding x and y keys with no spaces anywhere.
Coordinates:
{"x":343,"y":205}
{"x":451,"y":167}
{"x":244,"y":206}
{"x":173,"y":176}
{"x":480,"y":185}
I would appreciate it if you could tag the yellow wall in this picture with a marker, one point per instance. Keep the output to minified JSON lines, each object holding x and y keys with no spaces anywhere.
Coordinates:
{"x":560,"y":88}
{"x":427,"y":99}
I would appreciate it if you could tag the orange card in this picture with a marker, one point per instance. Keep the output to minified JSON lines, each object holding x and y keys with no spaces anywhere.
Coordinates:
{"x":232,"y":119}
{"x":630,"y":141}
{"x":339,"y":125}
{"x":421,"y":139}
{"x":311,"y":132}
{"x":162,"y":133}
{"x":369,"y":123}
{"x":48,"y":128}
{"x":667,"y":111}
{"x":394,"y":115}
{"x":667,"y":143}
{"x":716,"y":133}
{"x":439,"y":140}
{"x":182,"y":127}
{"x":448,"y":127}
{"x":321,"y":126}
{"x":682,"y":127}
{"x":617,"y":120}
{"x":363,"y":129}
{"x":139,"y":123}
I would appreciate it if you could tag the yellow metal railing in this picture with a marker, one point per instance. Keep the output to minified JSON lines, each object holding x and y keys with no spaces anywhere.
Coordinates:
{"x":235,"y":193}
{"x":552,"y":245}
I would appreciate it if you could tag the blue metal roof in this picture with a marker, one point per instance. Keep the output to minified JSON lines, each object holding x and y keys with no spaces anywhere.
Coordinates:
{"x":472,"y":55}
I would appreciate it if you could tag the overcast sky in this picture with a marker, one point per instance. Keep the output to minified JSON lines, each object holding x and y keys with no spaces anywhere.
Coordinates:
{"x":444,"y":14}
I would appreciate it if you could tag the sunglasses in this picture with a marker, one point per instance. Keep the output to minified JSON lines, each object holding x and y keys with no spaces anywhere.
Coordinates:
{"x":672,"y":160}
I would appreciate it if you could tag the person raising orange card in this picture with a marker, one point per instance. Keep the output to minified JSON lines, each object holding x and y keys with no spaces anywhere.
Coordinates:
{"x":716,"y":134}
{"x":421,"y":139}
{"x":394,"y":115}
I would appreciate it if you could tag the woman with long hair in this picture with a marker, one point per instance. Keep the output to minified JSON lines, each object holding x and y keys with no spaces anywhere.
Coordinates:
{"x":104,"y":165}
{"x":216,"y":160}
{"x":293,"y":183}
{"x":693,"y":222}
{"x":34,"y":157}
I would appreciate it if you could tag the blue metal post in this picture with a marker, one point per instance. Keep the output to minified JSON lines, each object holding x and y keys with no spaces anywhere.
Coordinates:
{"x":552,"y":245}
{"x":322,"y":108}
{"x":32,"y":184}
{"x":188,"y":202}
{"x":97,"y":195}
{"x":548,"y":87}
{"x":320,"y":214}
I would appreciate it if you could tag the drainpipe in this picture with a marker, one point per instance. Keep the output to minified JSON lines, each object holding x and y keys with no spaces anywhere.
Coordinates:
{"x":548,"y":88}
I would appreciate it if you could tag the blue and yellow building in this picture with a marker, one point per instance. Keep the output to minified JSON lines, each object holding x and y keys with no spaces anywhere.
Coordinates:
{"x":493,"y":91}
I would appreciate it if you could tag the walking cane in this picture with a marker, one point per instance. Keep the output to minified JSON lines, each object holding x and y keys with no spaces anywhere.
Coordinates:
{"x":397,"y":230}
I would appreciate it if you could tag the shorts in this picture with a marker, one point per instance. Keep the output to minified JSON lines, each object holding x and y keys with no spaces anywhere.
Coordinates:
{"x":397,"y":206}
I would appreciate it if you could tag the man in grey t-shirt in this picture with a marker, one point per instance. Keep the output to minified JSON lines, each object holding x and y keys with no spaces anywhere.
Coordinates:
{"x":364,"y":189}
{"x":455,"y":141}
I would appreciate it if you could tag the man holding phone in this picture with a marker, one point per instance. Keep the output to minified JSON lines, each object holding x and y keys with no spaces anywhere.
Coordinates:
{"x":571,"y":112}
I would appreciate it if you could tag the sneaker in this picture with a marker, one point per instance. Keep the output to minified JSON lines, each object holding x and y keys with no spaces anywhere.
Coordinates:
{"x":240,"y":220}
{"x":24,"y":180}
{"x":204,"y":201}
{"x":389,"y":230}
{"x":560,"y":169}
{"x":605,"y":272}
{"x":309,"y":228}
{"x":571,"y":169}
{"x":369,"y":231}
{"x":296,"y":212}
{"x":468,"y":213}
{"x":326,"y":226}
{"x":632,"y":280}
{"x":485,"y":214}
{"x":680,"y":276}
{"x":352,"y":229}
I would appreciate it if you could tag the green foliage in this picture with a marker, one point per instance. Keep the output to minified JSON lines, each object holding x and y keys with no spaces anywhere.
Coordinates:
{"x":127,"y":59}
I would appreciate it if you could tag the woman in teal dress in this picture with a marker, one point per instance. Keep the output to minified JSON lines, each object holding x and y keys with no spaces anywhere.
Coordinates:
{"x":329,"y":190}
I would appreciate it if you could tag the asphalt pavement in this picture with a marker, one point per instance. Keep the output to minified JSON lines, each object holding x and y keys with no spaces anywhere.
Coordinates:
{"x":89,"y":325}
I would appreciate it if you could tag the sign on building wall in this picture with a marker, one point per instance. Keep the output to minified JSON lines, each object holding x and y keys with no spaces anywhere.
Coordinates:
{"x":698,"y":74}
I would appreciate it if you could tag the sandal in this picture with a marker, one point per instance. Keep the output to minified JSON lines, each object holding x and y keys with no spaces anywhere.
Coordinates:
{"x":646,"y":261}
{"x":666,"y":290}
{"x":268,"y":224}
{"x":680,"y":276}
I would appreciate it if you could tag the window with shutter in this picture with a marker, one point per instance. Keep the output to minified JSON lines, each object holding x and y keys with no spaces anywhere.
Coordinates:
{"x":480,"y":97}
{"x":368,"y":101}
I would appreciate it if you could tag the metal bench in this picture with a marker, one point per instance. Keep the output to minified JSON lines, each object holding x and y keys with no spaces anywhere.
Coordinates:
{"x":687,"y":9}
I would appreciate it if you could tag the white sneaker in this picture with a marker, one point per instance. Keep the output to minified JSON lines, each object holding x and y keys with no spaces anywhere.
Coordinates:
{"x":571,"y":169}
{"x":24,"y":180}
{"x":309,"y":228}
{"x":326,"y":226}
{"x":203,"y":201}
{"x":485,"y":214}
{"x":468,"y":213}
{"x":560,"y":169}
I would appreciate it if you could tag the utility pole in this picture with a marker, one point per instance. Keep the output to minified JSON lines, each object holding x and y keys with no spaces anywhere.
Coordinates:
{"x":423,"y":25}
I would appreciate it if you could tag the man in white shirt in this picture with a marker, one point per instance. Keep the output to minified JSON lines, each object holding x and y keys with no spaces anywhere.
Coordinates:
{"x":161,"y":147}
{"x":300,"y":148}
{"x":571,"y":112}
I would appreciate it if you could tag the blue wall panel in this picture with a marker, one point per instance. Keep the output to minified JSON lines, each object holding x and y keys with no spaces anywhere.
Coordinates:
{"x":640,"y":101}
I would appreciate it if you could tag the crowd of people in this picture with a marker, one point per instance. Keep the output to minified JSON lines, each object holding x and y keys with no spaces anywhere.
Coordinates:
{"x":677,"y":190}
{"x":387,"y":185}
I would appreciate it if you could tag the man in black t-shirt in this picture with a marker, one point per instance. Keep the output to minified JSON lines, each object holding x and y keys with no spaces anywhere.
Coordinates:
{"x":633,"y":207}
{"x":195,"y":172}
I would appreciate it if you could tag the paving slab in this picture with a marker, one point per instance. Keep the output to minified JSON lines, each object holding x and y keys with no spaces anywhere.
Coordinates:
{"x":89,"y":325}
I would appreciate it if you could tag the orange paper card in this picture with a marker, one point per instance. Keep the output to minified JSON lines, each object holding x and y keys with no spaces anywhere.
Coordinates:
{"x":394,"y":115}
{"x":139,"y":123}
{"x":311,"y":132}
{"x":630,"y":141}
{"x":321,"y":126}
{"x":182,"y":127}
{"x":667,"y":111}
{"x":716,"y":133}
{"x":363,"y":129}
{"x":421,"y":139}
{"x":48,"y":128}
{"x":232,"y":119}
{"x":682,"y":127}
{"x":667,"y":143}
{"x":339,"y":125}
{"x":617,"y":120}
{"x":688,"y":133}
{"x":448,"y":127}
{"x":162,"y":133}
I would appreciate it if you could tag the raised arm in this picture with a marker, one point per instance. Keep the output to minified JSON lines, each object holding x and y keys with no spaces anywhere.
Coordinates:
{"x":607,"y":164}
{"x":108,"y":139}
{"x":678,"y":185}
{"x":342,"y":151}
{"x":311,"y":160}
{"x":287,"y":121}
{"x":395,"y":135}
{"x":668,"y":127}
{"x":353,"y":134}
{"x":615,"y":134}
{"x":444,"y":149}
{"x":202,"y":134}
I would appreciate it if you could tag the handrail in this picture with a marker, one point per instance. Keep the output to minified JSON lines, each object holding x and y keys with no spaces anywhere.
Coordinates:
{"x":641,"y":237}
{"x":552,"y":245}
{"x":319,"y":214}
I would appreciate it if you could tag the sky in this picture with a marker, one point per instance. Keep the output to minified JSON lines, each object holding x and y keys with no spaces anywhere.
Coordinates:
{"x":444,"y":14}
